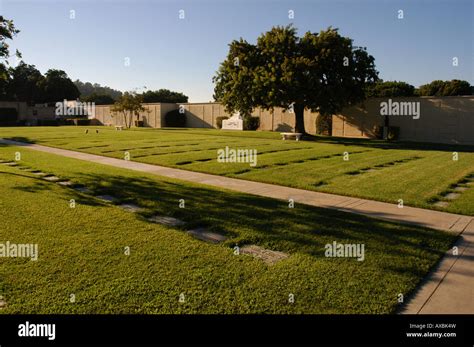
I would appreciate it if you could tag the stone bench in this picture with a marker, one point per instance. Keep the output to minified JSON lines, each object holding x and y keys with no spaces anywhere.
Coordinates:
{"x":119,"y":127}
{"x":297,"y":136}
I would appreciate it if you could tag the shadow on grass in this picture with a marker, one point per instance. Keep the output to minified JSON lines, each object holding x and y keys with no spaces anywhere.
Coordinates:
{"x":18,"y":139}
{"x":390,"y":248}
{"x":41,"y":185}
{"x":343,"y":141}
{"x":268,"y":222}
{"x":382,"y":144}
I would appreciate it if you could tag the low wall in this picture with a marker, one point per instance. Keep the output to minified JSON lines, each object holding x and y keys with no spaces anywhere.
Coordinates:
{"x":153,"y":116}
{"x":204,"y":115}
{"x":30,"y":114}
{"x":441,"y":120}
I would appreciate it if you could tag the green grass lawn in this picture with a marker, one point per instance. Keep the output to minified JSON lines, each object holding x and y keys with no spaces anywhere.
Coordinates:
{"x":419,"y":174}
{"x":81,"y":249}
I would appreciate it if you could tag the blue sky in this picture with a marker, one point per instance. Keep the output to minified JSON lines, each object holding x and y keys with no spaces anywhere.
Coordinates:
{"x":183,"y":54}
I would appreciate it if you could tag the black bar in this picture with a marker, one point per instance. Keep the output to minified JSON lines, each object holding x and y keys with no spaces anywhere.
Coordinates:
{"x":241,"y":329}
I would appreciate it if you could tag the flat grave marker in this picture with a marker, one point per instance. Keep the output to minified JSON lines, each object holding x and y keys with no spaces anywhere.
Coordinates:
{"x":204,"y":235}
{"x":107,"y":198}
{"x":452,"y":196}
{"x":51,"y":178}
{"x":169,"y":221}
{"x":82,"y":189}
{"x":131,"y":208}
{"x":268,"y":256}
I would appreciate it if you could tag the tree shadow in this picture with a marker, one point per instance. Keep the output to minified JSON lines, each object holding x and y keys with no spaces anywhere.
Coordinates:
{"x":38,"y":184}
{"x":268,"y":222}
{"x":382,"y":144}
{"x":18,"y":139}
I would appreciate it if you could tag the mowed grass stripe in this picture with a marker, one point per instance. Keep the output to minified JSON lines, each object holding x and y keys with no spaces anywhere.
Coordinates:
{"x":82,"y":249}
{"x":290,"y":163}
{"x":324,"y":169}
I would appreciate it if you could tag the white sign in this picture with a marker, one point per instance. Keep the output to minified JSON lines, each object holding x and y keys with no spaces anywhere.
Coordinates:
{"x":235,"y":122}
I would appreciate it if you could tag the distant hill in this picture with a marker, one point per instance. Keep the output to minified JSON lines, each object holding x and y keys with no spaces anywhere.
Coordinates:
{"x":87,"y":89}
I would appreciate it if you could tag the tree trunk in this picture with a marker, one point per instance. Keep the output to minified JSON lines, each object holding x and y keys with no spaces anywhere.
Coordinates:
{"x":386,"y":127}
{"x":125,"y":119}
{"x":299,"y":118}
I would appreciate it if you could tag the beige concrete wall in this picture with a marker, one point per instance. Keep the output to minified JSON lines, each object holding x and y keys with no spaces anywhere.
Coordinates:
{"x":358,"y":121}
{"x":204,"y":115}
{"x":30,"y":113}
{"x":442,"y":120}
{"x":164,"y":109}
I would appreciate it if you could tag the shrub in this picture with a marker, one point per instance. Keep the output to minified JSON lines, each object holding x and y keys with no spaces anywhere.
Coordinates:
{"x":48,"y":122}
{"x":393,"y":133}
{"x":175,"y":119}
{"x":251,"y":123}
{"x":324,"y":125}
{"x":378,"y":131}
{"x":390,"y":89}
{"x":83,"y":122}
{"x":219,"y":121}
{"x":8,"y":116}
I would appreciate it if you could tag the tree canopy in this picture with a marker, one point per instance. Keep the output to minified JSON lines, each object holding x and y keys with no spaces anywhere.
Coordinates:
{"x":26,"y":84}
{"x":57,"y":86}
{"x":445,"y":88}
{"x":164,"y":95}
{"x":322,"y":71}
{"x":7,"y":32}
{"x":87,"y":89}
{"x":390,"y":89}
{"x":98,"y":99}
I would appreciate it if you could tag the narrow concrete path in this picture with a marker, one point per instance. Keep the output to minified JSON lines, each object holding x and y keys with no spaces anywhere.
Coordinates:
{"x":382,"y":210}
{"x":448,"y":289}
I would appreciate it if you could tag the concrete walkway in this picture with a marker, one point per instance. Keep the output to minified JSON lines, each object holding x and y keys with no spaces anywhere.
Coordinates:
{"x":449,"y":289}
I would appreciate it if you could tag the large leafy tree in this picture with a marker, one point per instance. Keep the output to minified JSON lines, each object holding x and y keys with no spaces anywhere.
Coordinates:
{"x":26,"y":84}
{"x":323,"y":72}
{"x":129,"y":105}
{"x":7,"y":32}
{"x":57,"y":86}
{"x":164,"y":95}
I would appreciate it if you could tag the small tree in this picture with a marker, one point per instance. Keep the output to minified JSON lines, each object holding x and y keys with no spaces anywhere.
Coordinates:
{"x":129,"y":105}
{"x":322,"y":71}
